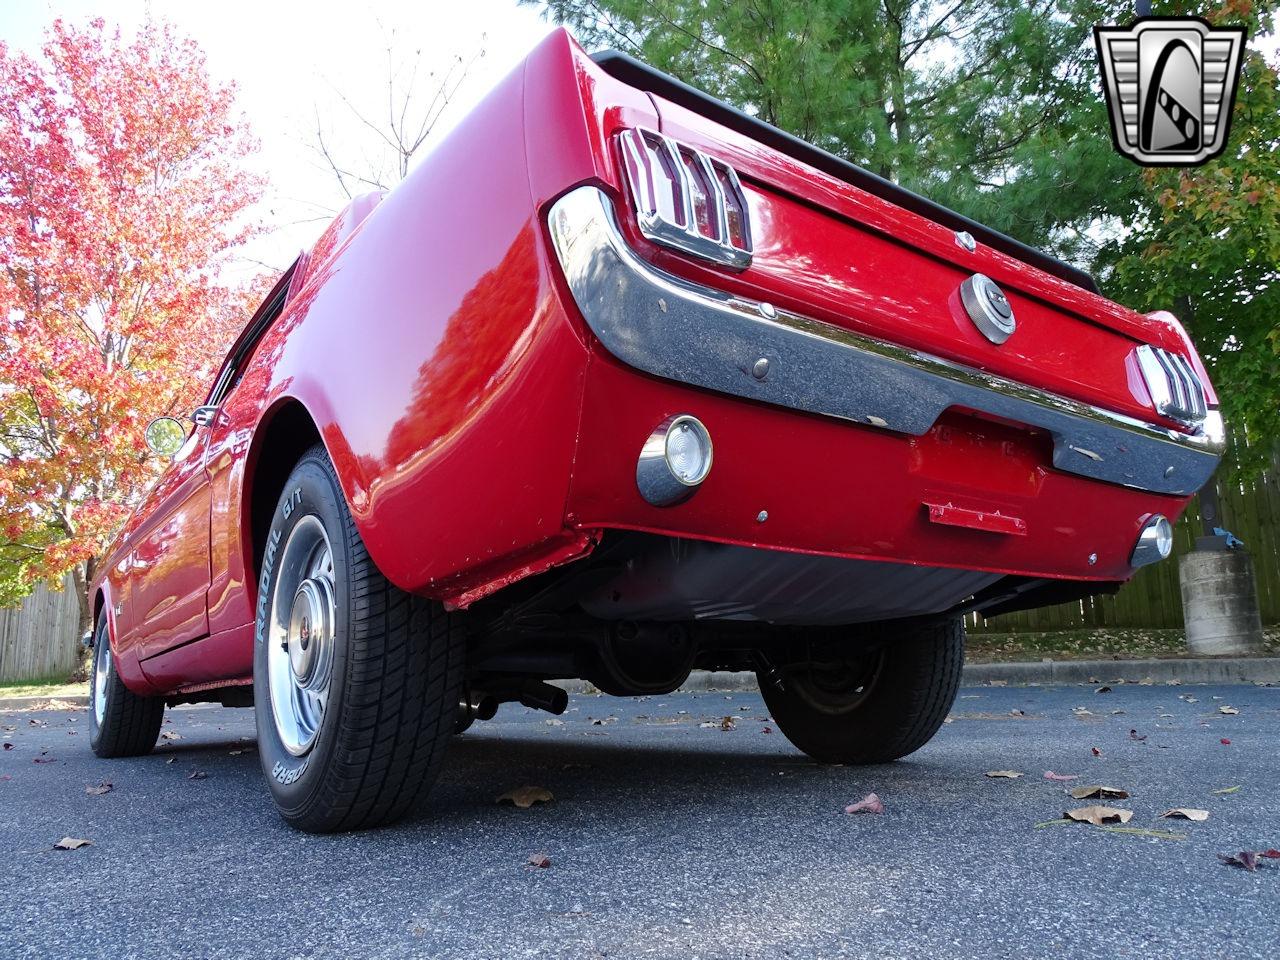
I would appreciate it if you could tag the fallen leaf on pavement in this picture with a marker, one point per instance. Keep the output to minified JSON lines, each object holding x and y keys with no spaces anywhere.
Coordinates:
{"x":8,"y":746}
{"x":1101,"y":792}
{"x":1096,"y":751}
{"x":1235,"y":789}
{"x":197,"y":775}
{"x":1134,"y":735}
{"x":767,"y":730}
{"x":71,"y":843}
{"x":728,"y":723}
{"x":1103,"y":690}
{"x":1099,"y":815}
{"x":1247,"y":859}
{"x":526,"y":797}
{"x":1015,"y":712}
{"x":1146,"y":682}
{"x":553,"y":722}
{"x":538,"y":861}
{"x":1082,"y":711}
{"x":43,"y":759}
{"x":170,"y":735}
{"x":868,"y":804}
{"x":1229,"y":711}
{"x":1225,"y":742}
{"x":1186,"y":813}
{"x":102,"y":788}
{"x":1061,"y":777}
{"x":1006,"y":774}
{"x":1188,"y":698}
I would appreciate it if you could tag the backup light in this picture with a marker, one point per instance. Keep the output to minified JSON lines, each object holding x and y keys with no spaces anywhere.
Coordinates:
{"x":685,"y":200}
{"x":1155,"y":542}
{"x":674,"y":460}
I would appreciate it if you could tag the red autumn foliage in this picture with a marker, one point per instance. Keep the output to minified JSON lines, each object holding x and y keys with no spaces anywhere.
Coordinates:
{"x":122,"y":194}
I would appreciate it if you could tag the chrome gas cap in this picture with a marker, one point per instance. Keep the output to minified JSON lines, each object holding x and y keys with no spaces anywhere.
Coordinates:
{"x":988,"y":308}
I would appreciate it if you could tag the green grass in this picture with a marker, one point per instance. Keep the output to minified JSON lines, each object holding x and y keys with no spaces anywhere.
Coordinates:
{"x":52,"y":687}
{"x":1103,"y":644}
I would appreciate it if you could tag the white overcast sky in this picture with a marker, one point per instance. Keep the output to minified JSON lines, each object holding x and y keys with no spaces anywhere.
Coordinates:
{"x":288,"y":57}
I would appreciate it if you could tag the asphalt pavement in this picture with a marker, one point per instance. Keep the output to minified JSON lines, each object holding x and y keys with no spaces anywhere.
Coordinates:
{"x":668,"y":839}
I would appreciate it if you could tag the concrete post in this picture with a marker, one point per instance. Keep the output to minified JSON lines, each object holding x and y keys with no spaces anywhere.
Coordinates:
{"x":1220,"y":603}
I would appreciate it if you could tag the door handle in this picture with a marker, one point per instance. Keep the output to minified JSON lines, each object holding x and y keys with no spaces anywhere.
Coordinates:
{"x":205,"y":416}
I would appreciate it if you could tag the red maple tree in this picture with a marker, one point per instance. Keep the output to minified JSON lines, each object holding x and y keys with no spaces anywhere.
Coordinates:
{"x":123,"y":192}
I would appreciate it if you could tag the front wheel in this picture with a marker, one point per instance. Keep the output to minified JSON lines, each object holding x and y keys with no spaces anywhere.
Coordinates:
{"x":356,"y":682}
{"x":873,"y":699}
{"x":121,"y":723}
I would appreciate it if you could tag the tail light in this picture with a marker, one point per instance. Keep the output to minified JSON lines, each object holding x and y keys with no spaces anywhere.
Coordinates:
{"x":1176,"y":390}
{"x":685,"y":200}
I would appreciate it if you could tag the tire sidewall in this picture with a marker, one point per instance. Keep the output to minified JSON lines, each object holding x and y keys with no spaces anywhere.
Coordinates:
{"x":310,"y":491}
{"x":101,"y":638}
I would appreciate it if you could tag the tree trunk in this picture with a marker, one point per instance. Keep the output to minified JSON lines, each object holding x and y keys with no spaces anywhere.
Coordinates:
{"x":82,"y":574}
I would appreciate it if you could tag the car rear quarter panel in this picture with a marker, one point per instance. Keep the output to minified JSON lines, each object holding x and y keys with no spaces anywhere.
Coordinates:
{"x":443,"y":376}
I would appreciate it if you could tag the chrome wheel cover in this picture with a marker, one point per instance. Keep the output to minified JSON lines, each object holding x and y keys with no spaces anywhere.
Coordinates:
{"x":101,"y":673}
{"x":301,"y":636}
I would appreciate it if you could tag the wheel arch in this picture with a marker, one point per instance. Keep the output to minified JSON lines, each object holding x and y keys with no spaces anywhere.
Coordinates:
{"x":98,"y":604}
{"x":283,"y":435}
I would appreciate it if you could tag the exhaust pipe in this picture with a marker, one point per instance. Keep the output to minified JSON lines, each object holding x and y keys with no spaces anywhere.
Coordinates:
{"x":541,"y":695}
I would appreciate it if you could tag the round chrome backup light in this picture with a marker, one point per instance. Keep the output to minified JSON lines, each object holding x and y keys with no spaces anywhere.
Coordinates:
{"x":1155,"y":542}
{"x":674,"y":460}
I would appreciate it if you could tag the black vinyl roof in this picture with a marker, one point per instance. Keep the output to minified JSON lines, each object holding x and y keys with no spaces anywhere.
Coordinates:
{"x":644,"y":77}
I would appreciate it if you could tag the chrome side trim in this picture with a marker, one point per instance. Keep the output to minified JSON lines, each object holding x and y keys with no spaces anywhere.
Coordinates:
{"x":696,"y":335}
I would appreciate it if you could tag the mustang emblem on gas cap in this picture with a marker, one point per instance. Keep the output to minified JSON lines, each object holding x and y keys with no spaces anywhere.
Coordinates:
{"x":988,"y":308}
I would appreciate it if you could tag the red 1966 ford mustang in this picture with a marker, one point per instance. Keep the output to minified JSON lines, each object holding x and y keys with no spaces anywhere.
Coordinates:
{"x":619,"y":383}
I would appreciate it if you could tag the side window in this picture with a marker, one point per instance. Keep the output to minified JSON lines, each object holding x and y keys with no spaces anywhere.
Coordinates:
{"x":242,"y":352}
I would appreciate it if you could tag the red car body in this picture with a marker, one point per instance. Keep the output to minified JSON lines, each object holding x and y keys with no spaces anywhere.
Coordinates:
{"x":483,"y":432}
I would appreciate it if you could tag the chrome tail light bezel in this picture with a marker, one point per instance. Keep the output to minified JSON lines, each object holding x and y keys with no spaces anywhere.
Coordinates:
{"x":1174,"y":386}
{"x":651,"y":160}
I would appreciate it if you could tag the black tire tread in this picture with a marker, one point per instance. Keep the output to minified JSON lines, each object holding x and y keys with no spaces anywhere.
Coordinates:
{"x":130,"y":723}
{"x":404,"y":677}
{"x":917,"y":686}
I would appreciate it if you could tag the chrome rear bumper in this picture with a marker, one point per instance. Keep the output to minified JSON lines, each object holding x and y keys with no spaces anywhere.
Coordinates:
{"x":681,"y":331}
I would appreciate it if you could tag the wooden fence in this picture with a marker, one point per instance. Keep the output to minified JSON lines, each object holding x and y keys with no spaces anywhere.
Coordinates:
{"x":1153,"y":598}
{"x":40,"y":638}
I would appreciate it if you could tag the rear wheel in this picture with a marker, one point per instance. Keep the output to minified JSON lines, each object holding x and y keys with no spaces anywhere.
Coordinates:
{"x":877,"y":701}
{"x":121,"y":723}
{"x":356,"y":683}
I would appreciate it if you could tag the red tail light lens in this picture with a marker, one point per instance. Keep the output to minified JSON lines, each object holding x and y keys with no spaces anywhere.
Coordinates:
{"x":700,"y":195}
{"x":686,"y":200}
{"x":735,"y":209}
